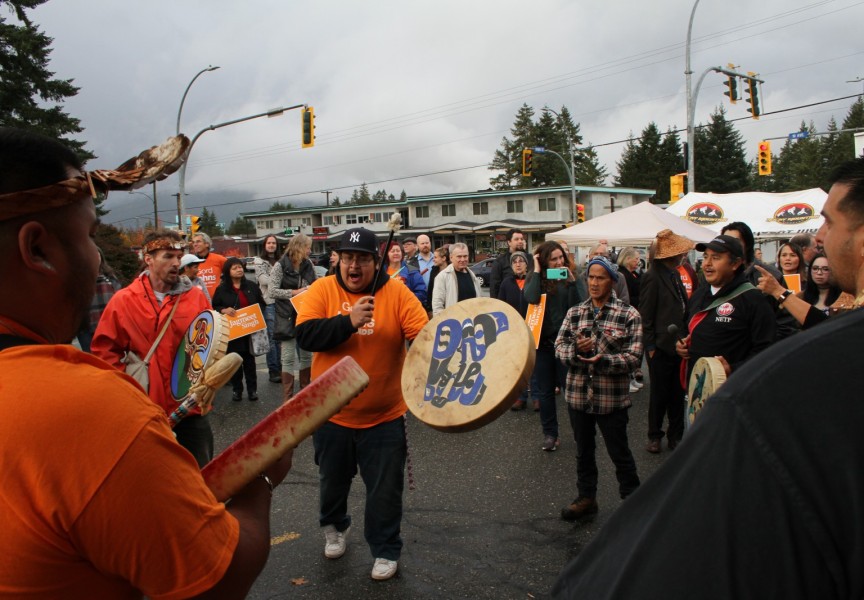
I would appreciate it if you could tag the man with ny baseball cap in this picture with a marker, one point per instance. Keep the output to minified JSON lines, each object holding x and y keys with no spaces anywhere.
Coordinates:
{"x":371,"y":323}
{"x":729,"y":319}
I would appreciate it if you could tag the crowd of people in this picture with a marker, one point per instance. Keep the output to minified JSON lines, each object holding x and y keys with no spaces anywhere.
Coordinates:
{"x":764,"y":468}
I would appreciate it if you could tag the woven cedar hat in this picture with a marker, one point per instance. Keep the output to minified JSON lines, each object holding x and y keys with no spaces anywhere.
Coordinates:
{"x":669,"y":244}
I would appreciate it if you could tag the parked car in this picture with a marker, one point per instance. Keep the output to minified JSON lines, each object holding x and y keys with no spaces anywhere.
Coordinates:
{"x":483,"y":270}
{"x":248,"y":263}
{"x":321,"y":258}
{"x":320,"y":271}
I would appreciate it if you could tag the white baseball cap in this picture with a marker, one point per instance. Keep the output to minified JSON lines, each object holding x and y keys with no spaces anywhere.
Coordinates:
{"x":189,"y":259}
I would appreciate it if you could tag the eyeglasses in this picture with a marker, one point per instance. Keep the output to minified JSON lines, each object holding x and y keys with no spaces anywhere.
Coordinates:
{"x":821,"y":269}
{"x":361,"y":259}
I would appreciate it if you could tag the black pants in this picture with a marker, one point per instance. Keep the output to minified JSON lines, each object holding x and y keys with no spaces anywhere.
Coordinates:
{"x":194,"y":434}
{"x":248,"y":371}
{"x":667,"y":397}
{"x":613,"y":427}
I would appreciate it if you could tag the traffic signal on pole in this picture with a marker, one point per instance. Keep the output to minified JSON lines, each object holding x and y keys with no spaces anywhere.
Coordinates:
{"x":307,"y":117}
{"x":527,"y":160}
{"x":753,"y":95}
{"x":676,"y":188}
{"x":764,"y":158}
{"x":732,"y":84}
{"x":580,"y":213}
{"x":194,"y":223}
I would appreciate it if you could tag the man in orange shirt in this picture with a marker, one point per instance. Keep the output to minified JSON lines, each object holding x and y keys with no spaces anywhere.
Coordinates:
{"x":209,"y":271}
{"x":370,"y":325}
{"x":99,"y":500}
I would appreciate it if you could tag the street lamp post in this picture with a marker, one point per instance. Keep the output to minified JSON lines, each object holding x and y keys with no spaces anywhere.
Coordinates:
{"x":155,"y":208}
{"x":183,"y":100}
{"x":180,"y":194}
{"x":691,"y":136}
{"x":180,"y":112}
{"x":572,"y":172}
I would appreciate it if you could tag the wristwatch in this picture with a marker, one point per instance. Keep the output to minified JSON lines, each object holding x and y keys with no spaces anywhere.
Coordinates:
{"x":783,"y":297}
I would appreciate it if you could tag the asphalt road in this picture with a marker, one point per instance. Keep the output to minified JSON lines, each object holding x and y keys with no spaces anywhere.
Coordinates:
{"x":483,"y":521}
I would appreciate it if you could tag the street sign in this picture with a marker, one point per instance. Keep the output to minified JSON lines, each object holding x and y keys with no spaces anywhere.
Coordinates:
{"x":288,"y":231}
{"x":799,"y":135}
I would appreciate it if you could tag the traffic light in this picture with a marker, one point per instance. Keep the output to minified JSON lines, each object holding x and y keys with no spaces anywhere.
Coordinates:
{"x":764,"y":158}
{"x":308,"y":119}
{"x":753,"y":95}
{"x":527,"y":159}
{"x":194,"y":223}
{"x":676,"y":188}
{"x":580,"y":213}
{"x":732,"y":84}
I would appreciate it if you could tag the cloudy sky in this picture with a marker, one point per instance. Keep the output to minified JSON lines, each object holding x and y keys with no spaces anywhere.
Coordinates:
{"x":416,"y":95}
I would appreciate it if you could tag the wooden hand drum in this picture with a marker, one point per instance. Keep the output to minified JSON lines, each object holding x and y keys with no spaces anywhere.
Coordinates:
{"x":468,"y":365}
{"x":205,"y":342}
{"x":706,"y":378}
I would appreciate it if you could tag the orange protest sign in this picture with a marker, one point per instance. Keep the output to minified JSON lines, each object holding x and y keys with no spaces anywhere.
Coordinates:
{"x":298,"y":300}
{"x":793,"y":282}
{"x":246,"y":321}
{"x":534,"y":319}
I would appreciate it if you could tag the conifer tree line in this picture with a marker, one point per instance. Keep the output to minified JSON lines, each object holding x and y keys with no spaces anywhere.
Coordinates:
{"x":724,"y":164}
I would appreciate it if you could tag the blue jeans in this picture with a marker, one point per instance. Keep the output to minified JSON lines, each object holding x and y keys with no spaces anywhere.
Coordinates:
{"x":547,"y":371}
{"x":380,"y":453}
{"x":274,"y":359}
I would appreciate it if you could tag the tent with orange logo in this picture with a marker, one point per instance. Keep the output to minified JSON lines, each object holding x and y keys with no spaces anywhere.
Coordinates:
{"x":770,"y":216}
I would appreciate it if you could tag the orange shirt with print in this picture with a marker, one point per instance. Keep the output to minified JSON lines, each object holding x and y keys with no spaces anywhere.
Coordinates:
{"x":210,"y":271}
{"x":98,"y":499}
{"x":378,"y":347}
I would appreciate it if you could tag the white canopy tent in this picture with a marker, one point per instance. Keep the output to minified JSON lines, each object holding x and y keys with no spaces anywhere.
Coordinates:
{"x":770,"y":216}
{"x":635,"y":225}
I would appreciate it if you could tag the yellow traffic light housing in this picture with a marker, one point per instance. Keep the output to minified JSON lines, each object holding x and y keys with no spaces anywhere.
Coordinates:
{"x":527,"y":160}
{"x":676,"y":187}
{"x":580,"y":213}
{"x":732,"y":84}
{"x":764,"y":158}
{"x":194,"y":223}
{"x":753,"y":95}
{"x":307,"y":118}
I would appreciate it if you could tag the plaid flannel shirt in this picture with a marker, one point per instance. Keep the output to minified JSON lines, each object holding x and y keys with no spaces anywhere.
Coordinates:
{"x":604,"y":386}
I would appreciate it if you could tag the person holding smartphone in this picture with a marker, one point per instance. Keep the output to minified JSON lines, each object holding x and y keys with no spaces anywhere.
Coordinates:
{"x":553,"y":277}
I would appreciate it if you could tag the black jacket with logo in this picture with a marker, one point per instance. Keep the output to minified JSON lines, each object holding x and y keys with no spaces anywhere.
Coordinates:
{"x":736,"y":330}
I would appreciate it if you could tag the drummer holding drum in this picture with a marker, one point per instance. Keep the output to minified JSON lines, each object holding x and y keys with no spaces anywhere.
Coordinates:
{"x":729,"y":319}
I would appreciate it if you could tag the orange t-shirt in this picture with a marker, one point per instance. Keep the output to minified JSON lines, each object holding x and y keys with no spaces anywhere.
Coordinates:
{"x":378,"y":347}
{"x":210,"y":271}
{"x":98,"y":499}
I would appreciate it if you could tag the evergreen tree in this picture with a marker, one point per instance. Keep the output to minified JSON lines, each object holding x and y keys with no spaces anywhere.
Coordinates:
{"x":508,"y":159}
{"x":403,"y":197}
{"x":241,"y":226}
{"x":335,"y":201}
{"x":209,"y":223}
{"x":799,"y":166}
{"x":29,"y":96}
{"x":363,"y":196}
{"x":355,"y":197}
{"x":670,"y":162}
{"x":589,"y":171}
{"x":548,"y":170}
{"x":280,"y":206}
{"x":846,"y":140}
{"x":721,"y":163}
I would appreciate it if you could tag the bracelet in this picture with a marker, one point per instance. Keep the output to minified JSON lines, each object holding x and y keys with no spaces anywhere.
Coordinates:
{"x":783,"y":297}
{"x":268,"y":481}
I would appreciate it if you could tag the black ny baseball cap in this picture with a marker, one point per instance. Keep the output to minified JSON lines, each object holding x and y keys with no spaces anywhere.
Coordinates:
{"x":723,"y":243}
{"x":358,"y":239}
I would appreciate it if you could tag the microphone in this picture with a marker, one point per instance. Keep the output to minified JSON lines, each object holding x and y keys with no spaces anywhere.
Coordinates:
{"x":673,"y":331}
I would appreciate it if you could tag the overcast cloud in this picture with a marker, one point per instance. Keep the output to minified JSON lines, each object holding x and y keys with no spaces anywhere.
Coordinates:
{"x":413,"y":88}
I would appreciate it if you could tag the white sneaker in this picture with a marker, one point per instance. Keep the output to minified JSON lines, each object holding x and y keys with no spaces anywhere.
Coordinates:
{"x":335,"y":542}
{"x":634,"y":387}
{"x":638,"y":383}
{"x":384,"y":569}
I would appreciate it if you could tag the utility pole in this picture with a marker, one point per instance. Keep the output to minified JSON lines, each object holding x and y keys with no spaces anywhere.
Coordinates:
{"x":327,"y":197}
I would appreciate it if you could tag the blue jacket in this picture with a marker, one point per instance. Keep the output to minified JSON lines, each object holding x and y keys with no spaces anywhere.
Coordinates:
{"x":414,"y":281}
